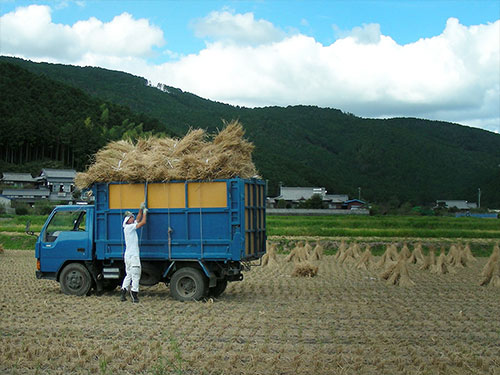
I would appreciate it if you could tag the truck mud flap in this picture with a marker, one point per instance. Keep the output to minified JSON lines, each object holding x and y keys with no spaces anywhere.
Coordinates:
{"x":212,"y":279}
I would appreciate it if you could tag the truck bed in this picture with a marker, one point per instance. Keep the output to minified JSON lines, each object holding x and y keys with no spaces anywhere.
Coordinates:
{"x":221,"y":220}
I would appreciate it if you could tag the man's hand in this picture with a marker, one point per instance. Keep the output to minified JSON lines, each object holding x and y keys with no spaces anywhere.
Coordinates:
{"x":143,"y":205}
{"x":145,"y":211}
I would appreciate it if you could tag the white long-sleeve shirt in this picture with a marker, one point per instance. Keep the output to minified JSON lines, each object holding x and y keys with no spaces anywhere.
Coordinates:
{"x":131,"y":240}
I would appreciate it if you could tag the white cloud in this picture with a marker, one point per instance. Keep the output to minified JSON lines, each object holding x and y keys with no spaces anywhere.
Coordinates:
{"x":239,"y":29}
{"x":454,"y":76}
{"x":29,"y":32}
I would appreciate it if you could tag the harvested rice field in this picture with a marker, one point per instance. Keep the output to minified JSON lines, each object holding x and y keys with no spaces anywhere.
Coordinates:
{"x":345,"y":320}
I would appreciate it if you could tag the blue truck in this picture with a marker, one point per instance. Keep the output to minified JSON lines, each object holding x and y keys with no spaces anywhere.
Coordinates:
{"x":199,"y":236}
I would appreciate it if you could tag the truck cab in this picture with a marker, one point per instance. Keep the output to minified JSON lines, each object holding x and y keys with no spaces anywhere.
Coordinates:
{"x":66,"y":237}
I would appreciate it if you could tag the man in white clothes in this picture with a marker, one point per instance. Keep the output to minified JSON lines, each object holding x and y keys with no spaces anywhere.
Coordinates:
{"x":132,"y":258}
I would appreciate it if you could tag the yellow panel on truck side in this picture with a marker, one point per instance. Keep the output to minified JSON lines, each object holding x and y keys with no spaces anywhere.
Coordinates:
{"x":166,"y":195}
{"x":126,"y":196}
{"x":207,"y":194}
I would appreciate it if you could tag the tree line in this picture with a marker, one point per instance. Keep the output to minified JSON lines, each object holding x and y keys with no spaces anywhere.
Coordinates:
{"x":67,"y":113}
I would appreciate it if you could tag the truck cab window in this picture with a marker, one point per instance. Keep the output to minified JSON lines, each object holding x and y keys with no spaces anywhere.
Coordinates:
{"x":65,"y":221}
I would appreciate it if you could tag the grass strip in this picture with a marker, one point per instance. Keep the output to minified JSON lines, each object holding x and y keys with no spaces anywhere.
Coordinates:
{"x":15,"y":242}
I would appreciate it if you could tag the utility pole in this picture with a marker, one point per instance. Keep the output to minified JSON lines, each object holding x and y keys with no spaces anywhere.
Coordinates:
{"x":479,"y":198}
{"x":359,"y":193}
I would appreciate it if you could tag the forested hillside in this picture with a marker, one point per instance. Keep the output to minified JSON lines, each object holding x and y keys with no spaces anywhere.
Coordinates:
{"x":43,"y":120}
{"x":396,"y":160}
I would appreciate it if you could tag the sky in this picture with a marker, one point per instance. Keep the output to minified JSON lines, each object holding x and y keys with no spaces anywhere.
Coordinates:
{"x":429,"y":59}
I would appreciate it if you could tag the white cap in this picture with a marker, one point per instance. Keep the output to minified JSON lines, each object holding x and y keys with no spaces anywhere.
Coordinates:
{"x":128,"y":215}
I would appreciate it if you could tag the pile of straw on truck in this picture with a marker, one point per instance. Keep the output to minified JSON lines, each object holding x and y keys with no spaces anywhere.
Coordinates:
{"x":194,"y":157}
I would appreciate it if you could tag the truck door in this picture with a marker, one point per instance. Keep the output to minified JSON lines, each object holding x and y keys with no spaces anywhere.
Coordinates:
{"x":66,"y":237}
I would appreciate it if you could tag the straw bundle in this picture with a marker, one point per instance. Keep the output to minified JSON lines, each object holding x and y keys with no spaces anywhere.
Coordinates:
{"x":468,"y":254}
{"x":193,"y":157}
{"x":440,"y":267}
{"x":417,"y":256}
{"x":341,"y":250}
{"x":452,"y":253}
{"x":495,"y":255}
{"x":364,"y":262}
{"x":1,"y":249}
{"x":456,"y":257}
{"x":298,"y":254}
{"x":349,"y":256}
{"x":429,"y":261}
{"x":397,"y":274}
{"x":270,"y":258}
{"x":308,"y":250}
{"x":317,"y":253}
{"x":491,"y":271}
{"x":405,"y":252}
{"x":305,"y":269}
{"x":389,"y":256}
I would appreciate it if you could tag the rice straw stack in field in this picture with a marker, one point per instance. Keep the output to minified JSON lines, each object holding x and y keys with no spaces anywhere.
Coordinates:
{"x":1,"y":249}
{"x":452,"y":253}
{"x":297,"y":254}
{"x":429,"y":261}
{"x":364,"y":262}
{"x":308,"y":250}
{"x":417,"y":256}
{"x":495,"y":255}
{"x":468,"y":254}
{"x":305,"y":269}
{"x":405,"y":252}
{"x":397,"y":274}
{"x":270,"y":258}
{"x":341,"y":250}
{"x":349,"y":255}
{"x":317,"y":253}
{"x":491,"y":271}
{"x":441,"y":266}
{"x":356,"y":250}
{"x":390,"y":255}
{"x":290,"y":255}
{"x":193,"y":157}
{"x":457,"y":258}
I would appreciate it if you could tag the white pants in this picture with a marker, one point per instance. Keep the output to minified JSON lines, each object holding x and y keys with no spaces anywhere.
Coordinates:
{"x":132,"y":273}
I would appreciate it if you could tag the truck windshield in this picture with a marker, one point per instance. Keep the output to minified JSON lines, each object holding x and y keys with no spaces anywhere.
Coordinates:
{"x":65,"y":221}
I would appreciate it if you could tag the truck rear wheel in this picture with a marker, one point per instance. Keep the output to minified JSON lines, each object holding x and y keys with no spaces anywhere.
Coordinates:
{"x":218,"y":289}
{"x":188,"y":284}
{"x":75,"y":280}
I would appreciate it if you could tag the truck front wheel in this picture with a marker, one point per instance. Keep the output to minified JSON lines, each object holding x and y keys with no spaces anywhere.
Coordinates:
{"x":75,"y":280}
{"x":188,"y":284}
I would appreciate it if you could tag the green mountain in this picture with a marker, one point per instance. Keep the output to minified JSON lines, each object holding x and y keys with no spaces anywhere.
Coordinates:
{"x":398,"y":160}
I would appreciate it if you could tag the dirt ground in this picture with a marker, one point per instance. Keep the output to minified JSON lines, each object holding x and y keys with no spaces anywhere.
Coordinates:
{"x":344,"y":321}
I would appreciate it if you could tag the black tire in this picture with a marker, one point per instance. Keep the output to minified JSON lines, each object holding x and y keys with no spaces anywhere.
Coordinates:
{"x":188,"y":284}
{"x":75,"y":280}
{"x":218,"y":289}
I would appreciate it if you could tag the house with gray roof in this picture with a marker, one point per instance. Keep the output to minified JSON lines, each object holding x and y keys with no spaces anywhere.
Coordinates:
{"x":293,"y":196}
{"x":459,"y":204}
{"x":29,"y":196}
{"x":17,"y":179}
{"x":60,"y":183}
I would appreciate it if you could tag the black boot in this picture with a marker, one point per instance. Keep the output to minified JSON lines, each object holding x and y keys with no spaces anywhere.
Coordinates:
{"x":135,"y":297}
{"x":124,"y":295}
